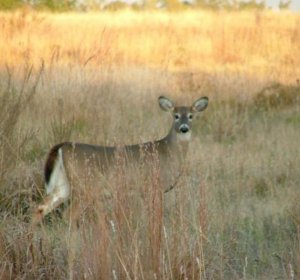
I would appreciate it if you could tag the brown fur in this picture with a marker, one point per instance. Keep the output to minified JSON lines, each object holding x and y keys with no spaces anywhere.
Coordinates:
{"x":84,"y":165}
{"x":52,"y":156}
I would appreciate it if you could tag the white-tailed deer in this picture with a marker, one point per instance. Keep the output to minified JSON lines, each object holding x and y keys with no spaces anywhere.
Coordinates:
{"x":72,"y":168}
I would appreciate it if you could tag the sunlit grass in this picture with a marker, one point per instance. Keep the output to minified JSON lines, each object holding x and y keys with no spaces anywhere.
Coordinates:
{"x":96,"y":78}
{"x":263,"y":44}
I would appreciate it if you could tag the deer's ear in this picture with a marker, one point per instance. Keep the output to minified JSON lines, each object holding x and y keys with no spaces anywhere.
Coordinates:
{"x":165,"y":104}
{"x":200,"y":104}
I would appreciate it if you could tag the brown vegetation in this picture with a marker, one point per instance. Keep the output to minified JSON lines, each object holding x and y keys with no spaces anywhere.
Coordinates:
{"x":95,"y":78}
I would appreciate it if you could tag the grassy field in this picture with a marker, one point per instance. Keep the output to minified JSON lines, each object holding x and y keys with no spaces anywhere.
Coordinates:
{"x":96,"y":77}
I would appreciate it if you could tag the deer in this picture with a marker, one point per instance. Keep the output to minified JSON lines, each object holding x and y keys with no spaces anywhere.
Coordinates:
{"x":70,"y":164}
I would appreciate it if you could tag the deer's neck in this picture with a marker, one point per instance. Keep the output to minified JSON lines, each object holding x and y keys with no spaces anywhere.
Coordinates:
{"x":177,"y":141}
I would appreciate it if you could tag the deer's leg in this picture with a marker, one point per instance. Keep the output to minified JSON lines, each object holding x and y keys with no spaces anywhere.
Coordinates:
{"x":52,"y":201}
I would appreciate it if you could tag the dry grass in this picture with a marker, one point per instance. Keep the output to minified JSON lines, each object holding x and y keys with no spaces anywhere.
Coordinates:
{"x":236,"y":216}
{"x":260,"y":44}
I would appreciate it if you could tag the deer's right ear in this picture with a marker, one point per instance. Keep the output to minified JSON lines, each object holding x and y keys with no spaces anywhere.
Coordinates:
{"x":200,"y":104}
{"x":165,"y":104}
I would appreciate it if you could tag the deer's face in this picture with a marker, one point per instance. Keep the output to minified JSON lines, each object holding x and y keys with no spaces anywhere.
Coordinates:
{"x":183,"y":116}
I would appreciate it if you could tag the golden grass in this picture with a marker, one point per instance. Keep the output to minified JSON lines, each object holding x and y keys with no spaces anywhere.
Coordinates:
{"x":262,"y":44}
{"x":237,"y":214}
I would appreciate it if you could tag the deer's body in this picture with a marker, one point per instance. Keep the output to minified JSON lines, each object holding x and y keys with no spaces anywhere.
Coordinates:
{"x":74,"y":168}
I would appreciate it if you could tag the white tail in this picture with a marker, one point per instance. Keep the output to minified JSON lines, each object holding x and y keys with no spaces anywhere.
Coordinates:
{"x":68,"y":163}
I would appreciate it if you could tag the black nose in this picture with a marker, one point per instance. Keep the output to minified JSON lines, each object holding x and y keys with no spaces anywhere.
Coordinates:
{"x":184,"y":129}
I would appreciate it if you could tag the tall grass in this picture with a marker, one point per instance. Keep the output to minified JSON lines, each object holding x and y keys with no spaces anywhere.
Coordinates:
{"x":261,"y":44}
{"x":235,"y":215}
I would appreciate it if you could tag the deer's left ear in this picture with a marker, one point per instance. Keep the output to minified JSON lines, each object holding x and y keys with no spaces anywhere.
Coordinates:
{"x":200,"y":104}
{"x":165,"y":103}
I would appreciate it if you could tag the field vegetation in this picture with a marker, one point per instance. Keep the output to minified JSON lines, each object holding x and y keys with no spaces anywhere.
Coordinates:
{"x":96,"y":77}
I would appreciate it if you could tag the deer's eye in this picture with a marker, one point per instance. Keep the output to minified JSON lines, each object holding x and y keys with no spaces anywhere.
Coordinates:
{"x":190,"y":116}
{"x":177,"y":116}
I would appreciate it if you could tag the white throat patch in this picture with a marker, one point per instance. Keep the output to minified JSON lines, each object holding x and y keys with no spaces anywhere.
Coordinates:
{"x":184,"y":137}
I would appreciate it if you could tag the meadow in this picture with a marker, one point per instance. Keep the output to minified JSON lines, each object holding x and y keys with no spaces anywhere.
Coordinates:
{"x":95,"y":78}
